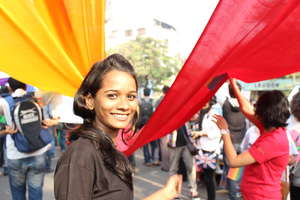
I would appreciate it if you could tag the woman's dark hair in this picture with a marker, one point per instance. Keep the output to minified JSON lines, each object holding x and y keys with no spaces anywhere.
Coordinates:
{"x":295,"y":106}
{"x":113,"y":159}
{"x":202,"y":112}
{"x":272,"y":108}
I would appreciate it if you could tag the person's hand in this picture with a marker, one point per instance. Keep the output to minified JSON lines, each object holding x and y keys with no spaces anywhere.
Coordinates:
{"x":10,"y":130}
{"x":173,"y":186}
{"x":220,"y":122}
{"x":49,"y":122}
{"x":292,"y":159}
{"x":196,"y":134}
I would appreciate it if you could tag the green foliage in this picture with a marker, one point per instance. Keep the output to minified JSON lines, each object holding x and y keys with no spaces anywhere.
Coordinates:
{"x":151,"y":60}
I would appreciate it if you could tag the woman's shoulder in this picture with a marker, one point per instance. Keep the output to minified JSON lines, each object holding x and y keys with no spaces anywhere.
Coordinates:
{"x":278,"y":137}
{"x":81,"y":152}
{"x":82,"y":145}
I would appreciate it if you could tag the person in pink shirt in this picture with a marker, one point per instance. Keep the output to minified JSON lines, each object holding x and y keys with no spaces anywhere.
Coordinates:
{"x":268,"y":157}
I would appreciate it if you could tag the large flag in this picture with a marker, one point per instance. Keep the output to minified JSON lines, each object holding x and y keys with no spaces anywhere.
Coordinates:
{"x":51,"y":44}
{"x":249,"y":40}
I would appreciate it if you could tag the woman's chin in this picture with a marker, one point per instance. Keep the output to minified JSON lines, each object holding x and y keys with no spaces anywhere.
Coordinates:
{"x":121,"y":124}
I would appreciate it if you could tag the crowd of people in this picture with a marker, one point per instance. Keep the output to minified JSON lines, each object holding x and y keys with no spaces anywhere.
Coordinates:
{"x":255,"y":146}
{"x":225,"y":136}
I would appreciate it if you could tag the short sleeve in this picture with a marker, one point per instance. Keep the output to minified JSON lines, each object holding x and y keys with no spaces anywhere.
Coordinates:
{"x":266,"y":148}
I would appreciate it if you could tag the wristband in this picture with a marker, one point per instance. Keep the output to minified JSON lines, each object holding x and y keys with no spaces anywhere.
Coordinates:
{"x":224,"y":131}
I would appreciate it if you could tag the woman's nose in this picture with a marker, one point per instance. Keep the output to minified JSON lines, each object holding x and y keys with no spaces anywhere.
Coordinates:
{"x":123,"y":103}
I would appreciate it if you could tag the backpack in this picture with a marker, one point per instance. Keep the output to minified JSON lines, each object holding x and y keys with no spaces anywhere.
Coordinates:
{"x":146,"y":111}
{"x":236,"y":121}
{"x":27,"y":117}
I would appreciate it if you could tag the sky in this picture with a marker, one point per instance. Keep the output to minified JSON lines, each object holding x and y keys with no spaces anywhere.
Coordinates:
{"x":189,"y":17}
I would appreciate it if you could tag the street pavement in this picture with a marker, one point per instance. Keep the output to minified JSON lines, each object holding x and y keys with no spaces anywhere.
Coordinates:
{"x":147,"y":180}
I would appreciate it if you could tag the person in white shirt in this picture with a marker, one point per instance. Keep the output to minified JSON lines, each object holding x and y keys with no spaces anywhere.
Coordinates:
{"x":208,"y":143}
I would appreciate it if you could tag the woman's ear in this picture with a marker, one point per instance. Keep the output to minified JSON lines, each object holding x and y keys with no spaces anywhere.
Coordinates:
{"x":89,"y":102}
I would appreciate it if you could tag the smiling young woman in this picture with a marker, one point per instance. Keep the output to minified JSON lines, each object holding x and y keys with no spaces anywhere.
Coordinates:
{"x":92,"y":167}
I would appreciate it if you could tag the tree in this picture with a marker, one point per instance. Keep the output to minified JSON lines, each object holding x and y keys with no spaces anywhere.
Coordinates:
{"x":151,"y":60}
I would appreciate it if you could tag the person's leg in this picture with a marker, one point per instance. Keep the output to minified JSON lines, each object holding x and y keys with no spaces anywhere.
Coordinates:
{"x":159,"y":150}
{"x":233,"y":190}
{"x":165,"y":161}
{"x":5,"y":167}
{"x":17,"y":178}
{"x":131,"y":160}
{"x":191,"y":170}
{"x":295,"y":192}
{"x":154,"y":152}
{"x":210,"y":183}
{"x":175,"y":154}
{"x":147,"y":159}
{"x":1,"y":151}
{"x":35,"y":177}
{"x":50,"y":155}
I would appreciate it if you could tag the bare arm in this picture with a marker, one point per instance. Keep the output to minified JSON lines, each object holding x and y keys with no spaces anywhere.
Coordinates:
{"x":8,"y":130}
{"x":245,"y":106}
{"x":234,"y":160}
{"x":171,"y":190}
{"x":50,"y":122}
{"x":197,"y":134}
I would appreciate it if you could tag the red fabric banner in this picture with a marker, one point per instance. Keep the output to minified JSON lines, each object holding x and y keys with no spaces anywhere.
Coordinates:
{"x":249,"y":40}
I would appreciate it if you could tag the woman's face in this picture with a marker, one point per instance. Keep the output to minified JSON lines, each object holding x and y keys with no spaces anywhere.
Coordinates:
{"x":116,"y":102}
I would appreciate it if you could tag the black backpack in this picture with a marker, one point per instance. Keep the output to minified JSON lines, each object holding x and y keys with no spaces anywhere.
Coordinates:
{"x":236,"y":121}
{"x":27,"y":116}
{"x":146,"y":111}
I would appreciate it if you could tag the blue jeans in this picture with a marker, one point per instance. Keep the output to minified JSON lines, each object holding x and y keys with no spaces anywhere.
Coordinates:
{"x":233,"y":190}
{"x":27,"y":170}
{"x":232,"y":186}
{"x":151,"y":155}
{"x":50,"y":154}
{"x":154,"y":151}
{"x":147,"y":156}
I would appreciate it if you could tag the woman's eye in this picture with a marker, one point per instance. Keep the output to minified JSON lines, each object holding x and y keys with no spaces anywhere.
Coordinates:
{"x":112,"y":96}
{"x":131,"y":97}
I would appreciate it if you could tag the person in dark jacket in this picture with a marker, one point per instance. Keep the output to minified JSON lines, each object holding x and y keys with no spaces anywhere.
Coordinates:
{"x":237,"y":127}
{"x":92,"y":168}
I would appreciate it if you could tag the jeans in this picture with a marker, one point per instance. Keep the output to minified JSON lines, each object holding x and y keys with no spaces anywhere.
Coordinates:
{"x":233,"y":190}
{"x":232,"y":186}
{"x":147,"y":156}
{"x":50,"y":154}
{"x":154,"y":151}
{"x":151,"y":155}
{"x":27,"y":170}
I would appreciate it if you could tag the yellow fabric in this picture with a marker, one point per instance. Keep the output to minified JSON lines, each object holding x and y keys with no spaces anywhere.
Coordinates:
{"x":51,"y":44}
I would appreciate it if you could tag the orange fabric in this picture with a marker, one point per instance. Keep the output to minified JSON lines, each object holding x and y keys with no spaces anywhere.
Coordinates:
{"x":51,"y":44}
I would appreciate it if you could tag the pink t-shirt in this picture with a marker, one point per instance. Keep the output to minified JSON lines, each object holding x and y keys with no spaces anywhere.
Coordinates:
{"x":261,"y":180}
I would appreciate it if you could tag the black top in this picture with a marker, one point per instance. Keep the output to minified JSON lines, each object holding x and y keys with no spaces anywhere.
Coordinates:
{"x":236,"y":122}
{"x":180,"y":140}
{"x":80,"y":174}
